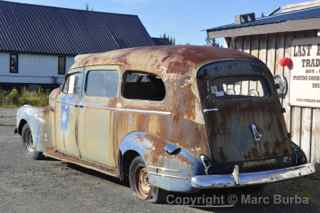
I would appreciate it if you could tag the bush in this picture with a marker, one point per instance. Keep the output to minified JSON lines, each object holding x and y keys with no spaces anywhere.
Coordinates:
{"x":2,"y":97}
{"x":16,"y":98}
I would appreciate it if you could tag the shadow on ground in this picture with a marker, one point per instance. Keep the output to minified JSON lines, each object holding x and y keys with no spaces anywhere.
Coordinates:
{"x":279,"y":197}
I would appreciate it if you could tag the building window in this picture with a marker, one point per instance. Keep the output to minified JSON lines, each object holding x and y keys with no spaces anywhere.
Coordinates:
{"x":61,"y":65}
{"x":13,"y":63}
{"x":143,"y":86}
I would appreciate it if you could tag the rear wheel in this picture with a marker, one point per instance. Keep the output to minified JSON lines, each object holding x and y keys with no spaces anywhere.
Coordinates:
{"x":139,"y":182}
{"x":28,"y":144}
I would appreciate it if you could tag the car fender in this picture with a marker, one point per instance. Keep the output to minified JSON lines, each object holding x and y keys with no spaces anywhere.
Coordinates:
{"x":171,"y":172}
{"x":35,"y":118}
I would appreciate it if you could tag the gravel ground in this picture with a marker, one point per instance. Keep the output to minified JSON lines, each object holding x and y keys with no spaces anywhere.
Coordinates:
{"x":53,"y":186}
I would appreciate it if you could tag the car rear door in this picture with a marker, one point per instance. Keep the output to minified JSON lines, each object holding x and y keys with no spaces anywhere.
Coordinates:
{"x":243,"y":115}
{"x":96,"y":130}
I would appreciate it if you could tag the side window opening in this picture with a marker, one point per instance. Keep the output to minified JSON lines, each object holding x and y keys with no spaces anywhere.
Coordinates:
{"x":66,"y":86}
{"x":78,"y":84}
{"x":102,"y":83}
{"x":143,"y":86}
{"x":73,"y":84}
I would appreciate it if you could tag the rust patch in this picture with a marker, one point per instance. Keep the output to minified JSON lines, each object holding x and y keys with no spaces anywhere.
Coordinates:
{"x":177,"y":59}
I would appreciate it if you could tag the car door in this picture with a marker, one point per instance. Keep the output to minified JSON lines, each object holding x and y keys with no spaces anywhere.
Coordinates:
{"x":67,"y":112}
{"x":96,"y":118}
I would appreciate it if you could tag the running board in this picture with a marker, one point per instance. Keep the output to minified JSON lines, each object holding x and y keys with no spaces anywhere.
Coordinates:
{"x":52,"y":153}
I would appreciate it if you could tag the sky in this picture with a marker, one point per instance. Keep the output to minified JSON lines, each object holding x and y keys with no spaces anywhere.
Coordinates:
{"x":185,"y":20}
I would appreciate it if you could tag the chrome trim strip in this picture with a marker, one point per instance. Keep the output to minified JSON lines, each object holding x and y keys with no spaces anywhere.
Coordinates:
{"x":163,"y":169}
{"x":94,"y":106}
{"x":169,"y":176}
{"x":143,"y":111}
{"x":211,"y":110}
{"x":251,"y":178}
{"x":128,"y":110}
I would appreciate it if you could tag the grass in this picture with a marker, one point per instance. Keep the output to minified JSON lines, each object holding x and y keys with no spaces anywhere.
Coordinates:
{"x":16,"y":98}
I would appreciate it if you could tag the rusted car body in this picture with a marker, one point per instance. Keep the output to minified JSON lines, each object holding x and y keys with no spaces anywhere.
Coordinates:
{"x":217,"y":121}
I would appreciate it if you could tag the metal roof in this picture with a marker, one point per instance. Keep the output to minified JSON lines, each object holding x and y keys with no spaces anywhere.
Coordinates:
{"x":273,"y":19}
{"x":52,"y":30}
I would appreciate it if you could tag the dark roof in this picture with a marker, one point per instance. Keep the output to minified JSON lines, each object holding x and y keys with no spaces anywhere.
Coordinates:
{"x":53,"y":30}
{"x":275,"y":18}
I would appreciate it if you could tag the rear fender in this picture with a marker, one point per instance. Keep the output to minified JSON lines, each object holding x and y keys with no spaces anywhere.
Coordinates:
{"x":171,"y":172}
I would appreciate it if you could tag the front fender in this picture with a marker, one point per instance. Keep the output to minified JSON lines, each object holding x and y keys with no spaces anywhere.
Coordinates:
{"x":36,"y":119}
{"x":172,"y":172}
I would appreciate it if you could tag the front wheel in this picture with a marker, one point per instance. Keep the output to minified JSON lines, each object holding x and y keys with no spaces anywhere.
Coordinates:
{"x":139,"y":182}
{"x":28,"y":144}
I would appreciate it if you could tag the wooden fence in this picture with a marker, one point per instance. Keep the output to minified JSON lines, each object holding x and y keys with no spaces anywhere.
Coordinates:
{"x":303,"y":122}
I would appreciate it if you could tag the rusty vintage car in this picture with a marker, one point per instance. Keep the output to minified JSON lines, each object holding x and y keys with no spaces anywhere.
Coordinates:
{"x":180,"y":118}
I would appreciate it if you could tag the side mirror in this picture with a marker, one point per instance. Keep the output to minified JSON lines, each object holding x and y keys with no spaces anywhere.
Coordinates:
{"x":281,"y":85}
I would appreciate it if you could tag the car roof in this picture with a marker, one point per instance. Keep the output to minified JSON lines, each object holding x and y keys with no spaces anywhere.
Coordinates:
{"x":161,"y":60}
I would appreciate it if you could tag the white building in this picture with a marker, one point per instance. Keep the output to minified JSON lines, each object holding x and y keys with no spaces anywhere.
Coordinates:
{"x":38,"y":43}
{"x":23,"y":68}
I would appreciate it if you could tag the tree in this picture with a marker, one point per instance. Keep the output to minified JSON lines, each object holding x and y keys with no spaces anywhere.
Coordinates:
{"x":87,"y":7}
{"x":171,"y":40}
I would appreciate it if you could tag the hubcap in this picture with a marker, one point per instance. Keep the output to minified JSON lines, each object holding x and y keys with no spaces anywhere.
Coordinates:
{"x":143,"y":185}
{"x":28,"y":142}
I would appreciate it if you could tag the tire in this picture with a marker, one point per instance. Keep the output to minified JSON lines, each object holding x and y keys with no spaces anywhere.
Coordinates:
{"x":139,"y":183}
{"x":28,"y":145}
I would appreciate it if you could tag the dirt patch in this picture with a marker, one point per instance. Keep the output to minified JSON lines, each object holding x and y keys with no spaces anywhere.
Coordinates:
{"x":8,"y":117}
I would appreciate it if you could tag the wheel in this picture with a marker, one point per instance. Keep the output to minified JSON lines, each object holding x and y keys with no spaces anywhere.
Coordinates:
{"x":27,"y":141}
{"x":139,"y":182}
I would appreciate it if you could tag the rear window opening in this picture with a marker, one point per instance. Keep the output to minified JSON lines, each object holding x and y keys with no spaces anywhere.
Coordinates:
{"x":143,"y":86}
{"x":236,"y":87}
{"x":232,"y":80}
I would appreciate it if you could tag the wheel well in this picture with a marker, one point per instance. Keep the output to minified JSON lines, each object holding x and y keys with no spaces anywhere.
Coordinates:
{"x":21,"y":125}
{"x":125,"y":162}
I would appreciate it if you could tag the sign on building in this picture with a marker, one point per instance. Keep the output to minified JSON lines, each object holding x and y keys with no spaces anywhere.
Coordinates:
{"x":305,"y":75}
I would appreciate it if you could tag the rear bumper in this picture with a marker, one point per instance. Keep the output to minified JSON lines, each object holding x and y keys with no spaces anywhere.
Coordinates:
{"x":237,"y":179}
